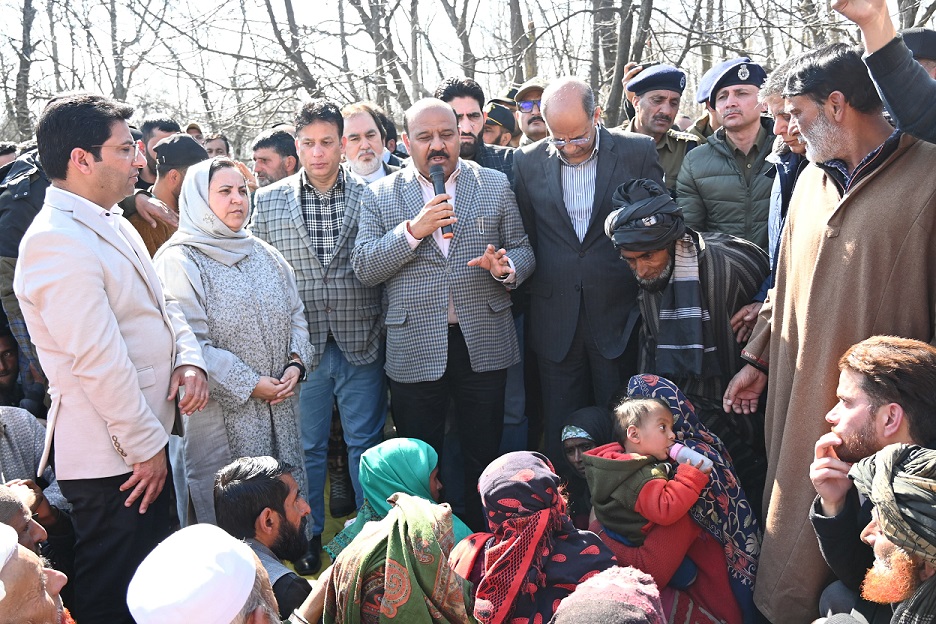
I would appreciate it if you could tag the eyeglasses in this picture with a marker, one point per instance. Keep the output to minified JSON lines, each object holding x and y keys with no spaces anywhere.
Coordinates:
{"x":127,"y":152}
{"x":526,"y":106}
{"x":579,"y":142}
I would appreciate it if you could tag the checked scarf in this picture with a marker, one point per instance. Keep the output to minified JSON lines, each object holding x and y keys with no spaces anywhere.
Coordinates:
{"x":901,"y":482}
{"x":686,"y":341}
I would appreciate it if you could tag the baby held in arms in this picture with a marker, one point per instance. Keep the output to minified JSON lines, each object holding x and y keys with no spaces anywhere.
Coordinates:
{"x":641,"y":497}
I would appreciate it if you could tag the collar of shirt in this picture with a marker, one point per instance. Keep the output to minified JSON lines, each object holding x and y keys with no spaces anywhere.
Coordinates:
{"x":839,"y":170}
{"x":451,"y":180}
{"x":307,"y":185}
{"x":108,"y":214}
{"x":755,"y":147}
{"x":591,"y":157}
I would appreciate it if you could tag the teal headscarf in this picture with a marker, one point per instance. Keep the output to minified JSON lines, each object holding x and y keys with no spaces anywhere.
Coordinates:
{"x":397,"y":465}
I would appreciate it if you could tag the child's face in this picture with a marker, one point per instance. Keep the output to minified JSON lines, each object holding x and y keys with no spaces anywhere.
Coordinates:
{"x":656,"y":433}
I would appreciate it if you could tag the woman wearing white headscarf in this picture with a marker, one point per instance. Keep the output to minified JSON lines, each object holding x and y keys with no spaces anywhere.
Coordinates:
{"x":239,"y":295}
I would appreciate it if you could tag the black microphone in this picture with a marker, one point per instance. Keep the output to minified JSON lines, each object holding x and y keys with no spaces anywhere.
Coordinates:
{"x":438,"y":186}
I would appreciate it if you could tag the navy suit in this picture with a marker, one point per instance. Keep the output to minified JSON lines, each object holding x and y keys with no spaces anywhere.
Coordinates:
{"x":583,"y":298}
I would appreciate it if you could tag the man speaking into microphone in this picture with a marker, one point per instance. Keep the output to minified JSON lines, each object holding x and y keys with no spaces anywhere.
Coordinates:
{"x":450,"y":331}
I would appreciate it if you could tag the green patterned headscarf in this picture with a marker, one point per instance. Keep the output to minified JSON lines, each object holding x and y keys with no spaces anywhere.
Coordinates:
{"x":400,"y":567}
{"x":901,"y":482}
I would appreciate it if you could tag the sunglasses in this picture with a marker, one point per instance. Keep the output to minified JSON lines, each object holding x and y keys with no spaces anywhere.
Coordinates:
{"x":526,"y":106}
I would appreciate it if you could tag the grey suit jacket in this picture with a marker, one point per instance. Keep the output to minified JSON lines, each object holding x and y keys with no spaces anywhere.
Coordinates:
{"x":418,"y":281}
{"x":106,"y":336}
{"x":570,"y":272}
{"x":335,"y":300}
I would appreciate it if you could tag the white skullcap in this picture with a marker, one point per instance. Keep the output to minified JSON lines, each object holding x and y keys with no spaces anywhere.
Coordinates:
{"x":199,"y":574}
{"x":9,"y":545}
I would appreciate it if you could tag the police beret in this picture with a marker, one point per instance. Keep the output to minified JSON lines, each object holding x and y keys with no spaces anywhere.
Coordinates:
{"x":179,"y":150}
{"x":921,"y":41}
{"x":658,"y":77}
{"x":733,"y":72}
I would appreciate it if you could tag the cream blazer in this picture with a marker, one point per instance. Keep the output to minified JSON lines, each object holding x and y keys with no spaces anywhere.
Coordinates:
{"x":106,"y":337}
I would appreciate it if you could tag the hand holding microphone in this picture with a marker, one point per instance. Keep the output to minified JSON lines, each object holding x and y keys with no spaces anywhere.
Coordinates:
{"x":438,"y":185}
{"x":437,"y":213}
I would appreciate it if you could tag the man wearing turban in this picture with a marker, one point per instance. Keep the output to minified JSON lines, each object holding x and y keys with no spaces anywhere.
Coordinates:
{"x":690,"y":286}
{"x":901,"y":482}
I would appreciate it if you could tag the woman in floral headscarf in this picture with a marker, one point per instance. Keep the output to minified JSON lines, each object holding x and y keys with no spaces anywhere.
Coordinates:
{"x":533,"y":557}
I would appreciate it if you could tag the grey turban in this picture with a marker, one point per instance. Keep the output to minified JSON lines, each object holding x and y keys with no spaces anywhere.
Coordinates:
{"x":901,"y":482}
{"x":645,"y":217}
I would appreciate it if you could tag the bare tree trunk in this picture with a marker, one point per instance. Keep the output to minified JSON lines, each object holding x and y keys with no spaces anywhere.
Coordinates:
{"x":343,"y":41}
{"x":416,"y":69}
{"x":21,"y":98}
{"x":293,"y":49}
{"x":518,"y":42}
{"x":707,"y":50}
{"x":606,"y":18}
{"x":56,"y":65}
{"x":643,"y":29}
{"x":529,"y":60}
{"x":616,"y":97}
{"x":120,"y":87}
{"x":594,"y":69}
{"x":459,"y":21}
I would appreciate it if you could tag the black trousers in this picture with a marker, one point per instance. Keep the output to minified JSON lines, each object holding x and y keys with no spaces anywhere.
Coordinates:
{"x":583,"y":378}
{"x":419,"y":411}
{"x":110,"y":542}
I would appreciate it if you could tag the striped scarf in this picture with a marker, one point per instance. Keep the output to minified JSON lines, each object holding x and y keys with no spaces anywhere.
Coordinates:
{"x":686,"y":341}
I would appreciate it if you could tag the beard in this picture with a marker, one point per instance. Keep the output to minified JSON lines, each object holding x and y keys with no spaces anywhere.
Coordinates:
{"x":820,"y":139}
{"x":863,"y":443}
{"x":657,"y":284}
{"x":891,"y":580}
{"x":366,"y":167}
{"x":291,"y":543}
{"x":467,"y":150}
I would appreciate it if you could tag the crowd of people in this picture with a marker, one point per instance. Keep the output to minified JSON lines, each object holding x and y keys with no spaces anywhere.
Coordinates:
{"x":665,"y":372}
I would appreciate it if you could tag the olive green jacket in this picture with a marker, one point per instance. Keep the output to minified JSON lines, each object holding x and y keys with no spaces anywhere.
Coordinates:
{"x":715,"y":196}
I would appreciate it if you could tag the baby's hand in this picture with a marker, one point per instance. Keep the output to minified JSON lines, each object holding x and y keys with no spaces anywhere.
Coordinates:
{"x":701,"y":467}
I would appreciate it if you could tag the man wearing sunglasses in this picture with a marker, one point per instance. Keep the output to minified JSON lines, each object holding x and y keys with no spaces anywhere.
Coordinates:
{"x":582,"y":311}
{"x":529,"y":113}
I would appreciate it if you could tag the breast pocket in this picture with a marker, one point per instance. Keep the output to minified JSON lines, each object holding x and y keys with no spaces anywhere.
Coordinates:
{"x":486,"y":226}
{"x":146,"y":377}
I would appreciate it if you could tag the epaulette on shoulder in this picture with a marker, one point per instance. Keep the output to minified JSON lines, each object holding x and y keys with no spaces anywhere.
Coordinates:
{"x":682,"y":136}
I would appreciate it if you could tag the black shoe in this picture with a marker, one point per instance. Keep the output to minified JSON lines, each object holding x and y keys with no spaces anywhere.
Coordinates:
{"x":341,"y":491}
{"x":311,"y":562}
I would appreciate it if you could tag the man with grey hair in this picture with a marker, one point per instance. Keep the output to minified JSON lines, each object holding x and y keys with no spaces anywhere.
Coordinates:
{"x":583,"y":314}
{"x":841,"y":253}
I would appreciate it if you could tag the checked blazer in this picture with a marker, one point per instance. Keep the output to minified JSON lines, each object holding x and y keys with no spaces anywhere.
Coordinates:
{"x":418,"y":281}
{"x":335,"y":301}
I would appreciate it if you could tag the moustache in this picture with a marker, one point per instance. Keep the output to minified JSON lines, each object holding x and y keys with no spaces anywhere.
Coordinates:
{"x":434,"y":153}
{"x":365,"y":152}
{"x":536,"y":118}
{"x":663,"y":118}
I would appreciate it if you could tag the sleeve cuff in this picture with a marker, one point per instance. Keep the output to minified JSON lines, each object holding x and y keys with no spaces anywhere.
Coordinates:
{"x":412,"y":240}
